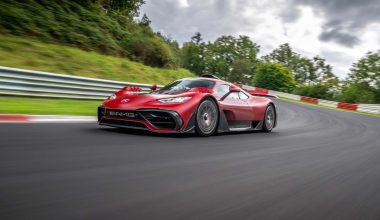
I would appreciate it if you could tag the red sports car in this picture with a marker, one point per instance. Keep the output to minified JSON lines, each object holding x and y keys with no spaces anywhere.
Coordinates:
{"x":204,"y":105}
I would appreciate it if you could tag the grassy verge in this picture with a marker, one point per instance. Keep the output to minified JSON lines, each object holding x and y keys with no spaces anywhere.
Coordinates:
{"x":307,"y":103}
{"x":36,"y":55}
{"x":47,"y":106}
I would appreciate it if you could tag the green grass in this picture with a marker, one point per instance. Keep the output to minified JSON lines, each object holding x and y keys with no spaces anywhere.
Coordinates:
{"x":338,"y":109}
{"x":35,"y":55}
{"x":47,"y":106}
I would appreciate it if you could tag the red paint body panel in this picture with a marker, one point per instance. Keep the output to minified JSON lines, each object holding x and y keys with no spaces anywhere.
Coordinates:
{"x":250,"y":109}
{"x":260,"y":92}
{"x":138,"y":101}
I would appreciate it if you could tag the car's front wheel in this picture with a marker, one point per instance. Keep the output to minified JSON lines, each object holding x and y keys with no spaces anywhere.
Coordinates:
{"x":206,"y":118}
{"x":269,"y":119}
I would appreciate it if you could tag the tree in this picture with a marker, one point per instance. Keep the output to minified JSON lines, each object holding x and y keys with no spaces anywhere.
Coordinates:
{"x":193,"y":54}
{"x":145,"y":20}
{"x":322,"y":73}
{"x":320,"y":91}
{"x":358,"y":93}
{"x":284,"y":55}
{"x":306,"y":71}
{"x":241,"y":71}
{"x":363,"y":82}
{"x":314,"y":76}
{"x":274,"y":76}
{"x":221,"y":57}
{"x":197,"y":38}
{"x":287,"y":57}
{"x":151,"y":51}
{"x":367,"y":69}
{"x":226,"y":52}
{"x":176,"y":50}
{"x":320,"y":81}
{"x":128,"y":7}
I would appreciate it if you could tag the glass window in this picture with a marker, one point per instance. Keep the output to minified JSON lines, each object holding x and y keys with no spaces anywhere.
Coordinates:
{"x":242,"y":95}
{"x":233,"y":95}
{"x":222,"y":90}
{"x":183,"y":85}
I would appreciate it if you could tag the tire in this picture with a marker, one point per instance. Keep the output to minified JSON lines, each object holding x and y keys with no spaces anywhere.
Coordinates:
{"x":207,"y":118}
{"x":269,"y":119}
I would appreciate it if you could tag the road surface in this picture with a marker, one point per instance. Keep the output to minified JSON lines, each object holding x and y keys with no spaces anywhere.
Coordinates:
{"x":317,"y":164}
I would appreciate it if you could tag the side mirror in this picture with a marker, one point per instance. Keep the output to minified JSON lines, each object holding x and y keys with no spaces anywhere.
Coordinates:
{"x":234,"y":88}
{"x":153,"y":87}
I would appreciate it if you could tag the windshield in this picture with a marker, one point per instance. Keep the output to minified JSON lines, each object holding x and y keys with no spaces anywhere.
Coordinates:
{"x":183,"y":85}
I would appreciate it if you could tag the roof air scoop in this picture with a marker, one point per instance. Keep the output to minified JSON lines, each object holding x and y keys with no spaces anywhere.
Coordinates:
{"x":209,"y":76}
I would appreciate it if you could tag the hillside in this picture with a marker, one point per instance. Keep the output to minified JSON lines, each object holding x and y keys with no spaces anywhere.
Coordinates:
{"x":108,"y":27}
{"x":36,"y":55}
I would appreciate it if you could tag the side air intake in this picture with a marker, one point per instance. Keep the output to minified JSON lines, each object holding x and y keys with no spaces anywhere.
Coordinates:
{"x":162,"y":119}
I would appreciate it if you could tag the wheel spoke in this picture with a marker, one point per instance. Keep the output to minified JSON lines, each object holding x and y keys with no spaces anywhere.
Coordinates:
{"x":206,"y":117}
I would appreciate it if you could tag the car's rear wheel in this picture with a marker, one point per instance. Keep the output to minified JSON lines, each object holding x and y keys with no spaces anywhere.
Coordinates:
{"x":206,"y":118}
{"x":269,"y":119}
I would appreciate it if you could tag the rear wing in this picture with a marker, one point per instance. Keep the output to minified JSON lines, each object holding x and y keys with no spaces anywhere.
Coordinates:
{"x":261,"y":92}
{"x":256,"y":91}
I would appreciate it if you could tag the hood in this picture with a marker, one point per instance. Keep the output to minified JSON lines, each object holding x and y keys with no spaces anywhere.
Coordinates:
{"x":131,"y":101}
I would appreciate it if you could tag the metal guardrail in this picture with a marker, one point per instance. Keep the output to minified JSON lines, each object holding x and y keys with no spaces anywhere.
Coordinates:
{"x":21,"y":82}
{"x":14,"y":81}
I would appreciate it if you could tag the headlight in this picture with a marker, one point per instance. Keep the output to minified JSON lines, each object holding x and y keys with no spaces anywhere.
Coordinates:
{"x":175,"y":100}
{"x":112,"y":97}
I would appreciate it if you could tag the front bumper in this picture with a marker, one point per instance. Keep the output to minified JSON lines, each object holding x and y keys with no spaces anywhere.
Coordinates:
{"x":156,"y":120}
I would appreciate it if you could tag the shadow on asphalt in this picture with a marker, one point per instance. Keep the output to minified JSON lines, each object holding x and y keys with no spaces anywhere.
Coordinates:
{"x":172,"y":135}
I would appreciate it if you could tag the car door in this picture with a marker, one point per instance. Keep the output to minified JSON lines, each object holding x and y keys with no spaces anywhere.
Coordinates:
{"x":235,"y":105}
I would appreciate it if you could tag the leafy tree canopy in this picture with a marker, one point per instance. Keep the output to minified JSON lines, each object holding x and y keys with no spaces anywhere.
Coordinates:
{"x":307,"y":71}
{"x":363,"y":82}
{"x":221,"y":57}
{"x":129,"y":7}
{"x":274,"y":76}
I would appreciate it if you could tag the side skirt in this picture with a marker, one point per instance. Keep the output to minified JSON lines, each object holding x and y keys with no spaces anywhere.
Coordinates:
{"x":224,"y":125}
{"x":229,"y":126}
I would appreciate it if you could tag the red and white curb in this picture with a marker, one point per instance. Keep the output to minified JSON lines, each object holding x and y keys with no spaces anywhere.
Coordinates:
{"x":18,"y":118}
{"x":369,"y":108}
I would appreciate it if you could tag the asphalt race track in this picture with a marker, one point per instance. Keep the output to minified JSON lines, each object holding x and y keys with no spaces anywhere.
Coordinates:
{"x":317,"y":164}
